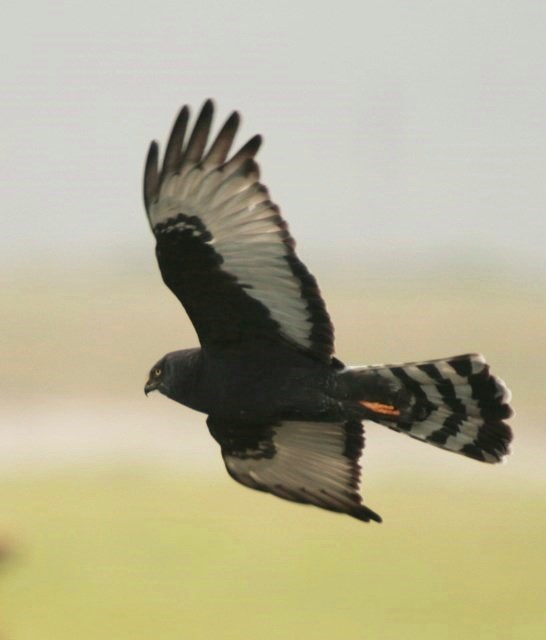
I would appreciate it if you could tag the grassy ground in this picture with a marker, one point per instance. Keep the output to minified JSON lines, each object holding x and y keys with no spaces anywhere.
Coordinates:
{"x":142,"y":553}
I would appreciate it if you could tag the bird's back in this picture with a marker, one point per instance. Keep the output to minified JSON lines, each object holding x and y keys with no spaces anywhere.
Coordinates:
{"x":260,"y":381}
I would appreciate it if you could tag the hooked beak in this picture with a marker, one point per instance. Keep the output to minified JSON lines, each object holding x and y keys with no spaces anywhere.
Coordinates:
{"x":150,"y":386}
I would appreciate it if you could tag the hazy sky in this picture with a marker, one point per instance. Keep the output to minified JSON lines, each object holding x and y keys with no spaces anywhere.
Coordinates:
{"x":398,"y":129}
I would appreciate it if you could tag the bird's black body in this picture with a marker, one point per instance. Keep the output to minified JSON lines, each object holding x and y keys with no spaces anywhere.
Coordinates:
{"x":286,"y":413}
{"x":259,"y":382}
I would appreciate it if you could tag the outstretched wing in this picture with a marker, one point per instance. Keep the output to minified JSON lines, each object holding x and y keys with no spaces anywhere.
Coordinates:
{"x":223,"y":247}
{"x":310,"y":462}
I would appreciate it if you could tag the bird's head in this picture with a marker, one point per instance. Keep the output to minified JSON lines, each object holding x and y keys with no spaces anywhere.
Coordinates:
{"x":157,"y":377}
{"x":173,"y":374}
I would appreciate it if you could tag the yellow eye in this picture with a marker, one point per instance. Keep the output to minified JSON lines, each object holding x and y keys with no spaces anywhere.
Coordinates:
{"x":157,"y":372}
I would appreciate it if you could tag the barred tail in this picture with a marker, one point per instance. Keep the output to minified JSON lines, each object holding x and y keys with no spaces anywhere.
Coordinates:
{"x":455,"y":404}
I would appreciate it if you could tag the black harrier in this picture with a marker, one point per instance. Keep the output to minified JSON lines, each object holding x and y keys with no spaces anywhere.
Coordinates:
{"x":286,"y":413}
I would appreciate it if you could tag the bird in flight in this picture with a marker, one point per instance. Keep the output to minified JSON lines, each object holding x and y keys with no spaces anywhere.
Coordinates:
{"x":286,"y":413}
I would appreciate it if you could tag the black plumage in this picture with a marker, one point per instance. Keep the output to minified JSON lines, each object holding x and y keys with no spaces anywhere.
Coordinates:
{"x":286,"y":413}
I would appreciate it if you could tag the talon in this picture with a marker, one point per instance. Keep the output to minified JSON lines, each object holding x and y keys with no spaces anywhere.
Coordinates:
{"x":378,"y":407}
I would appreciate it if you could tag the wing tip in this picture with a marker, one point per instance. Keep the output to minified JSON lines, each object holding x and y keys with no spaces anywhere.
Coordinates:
{"x":173,"y":154}
{"x":206,"y":114}
{"x":183,"y":114}
{"x":199,"y":136}
{"x":255,"y":143}
{"x":366,"y":515}
{"x":151,"y":173}
{"x":247,"y":151}
{"x":231,"y":125}
{"x":208,"y":106}
{"x":219,"y":149}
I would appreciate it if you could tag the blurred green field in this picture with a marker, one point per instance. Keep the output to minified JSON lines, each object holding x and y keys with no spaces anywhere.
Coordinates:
{"x":122,"y":524}
{"x":141,"y":553}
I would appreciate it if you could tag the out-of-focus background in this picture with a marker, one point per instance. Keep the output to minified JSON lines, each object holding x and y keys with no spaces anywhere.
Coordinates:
{"x":406,"y":145}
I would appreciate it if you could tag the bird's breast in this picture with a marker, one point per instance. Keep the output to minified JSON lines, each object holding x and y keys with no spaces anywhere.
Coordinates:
{"x":261,"y":386}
